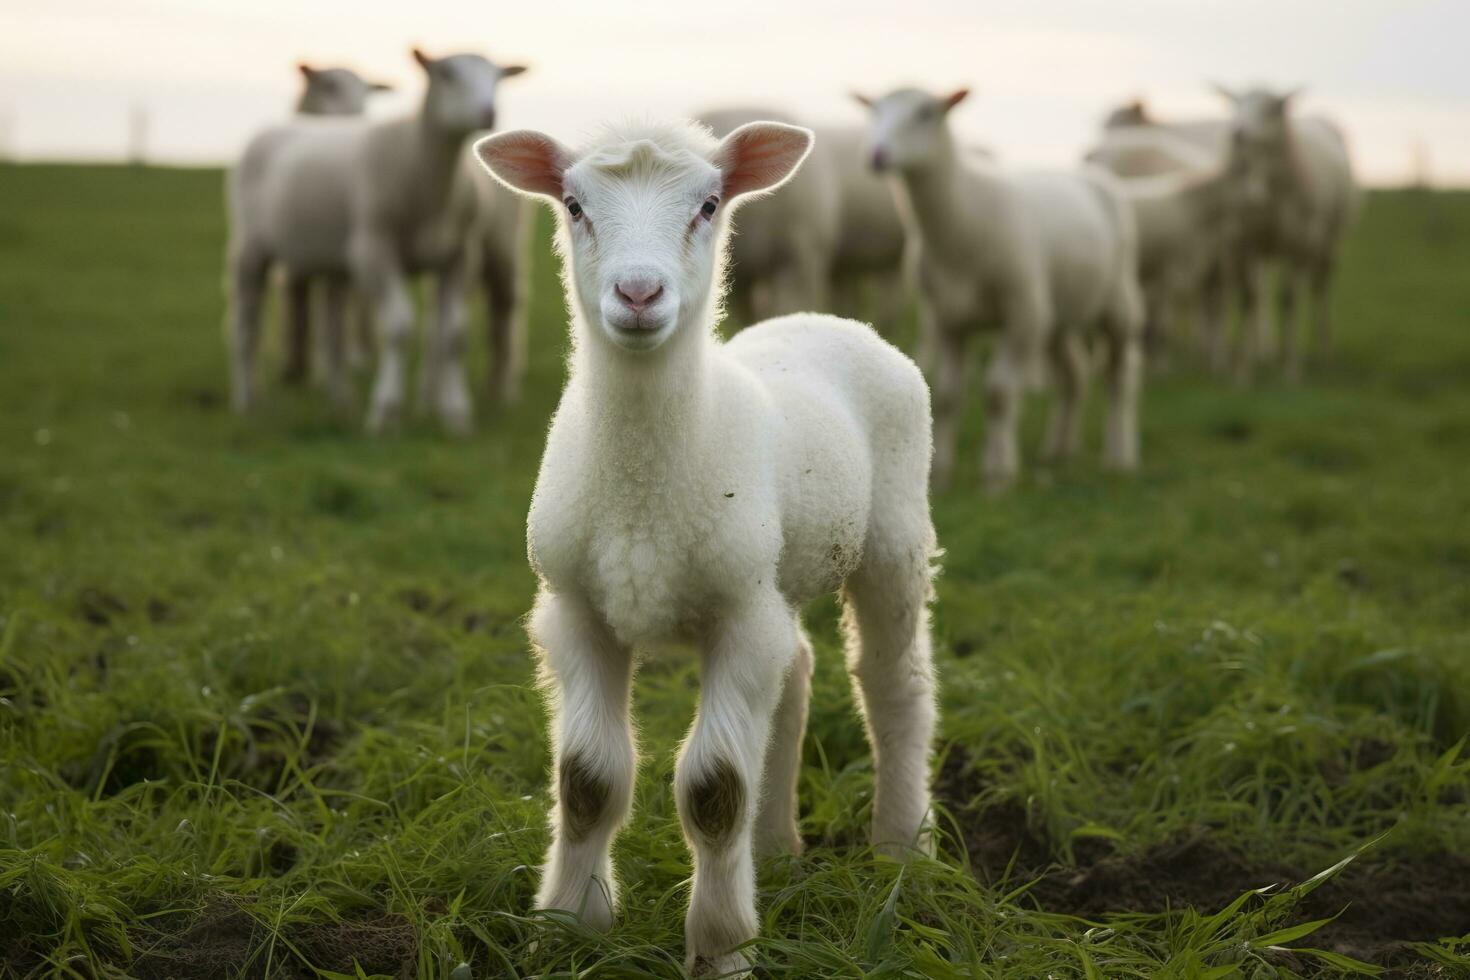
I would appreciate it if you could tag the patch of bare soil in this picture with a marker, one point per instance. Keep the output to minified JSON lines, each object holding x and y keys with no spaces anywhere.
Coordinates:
{"x":1383,"y":903}
{"x":225,"y":940}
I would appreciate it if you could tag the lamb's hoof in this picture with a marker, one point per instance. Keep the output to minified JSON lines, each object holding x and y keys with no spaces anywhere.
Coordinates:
{"x":725,"y":965}
{"x":773,"y":844}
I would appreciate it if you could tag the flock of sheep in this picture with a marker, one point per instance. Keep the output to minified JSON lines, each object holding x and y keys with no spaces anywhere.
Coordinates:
{"x":699,"y":491}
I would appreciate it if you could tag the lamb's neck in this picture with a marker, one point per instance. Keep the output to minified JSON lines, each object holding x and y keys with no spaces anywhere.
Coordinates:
{"x":645,"y":402}
{"x":934,"y":189}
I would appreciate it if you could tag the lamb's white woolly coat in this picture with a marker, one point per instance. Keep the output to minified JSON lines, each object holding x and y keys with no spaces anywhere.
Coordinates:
{"x":701,"y":491}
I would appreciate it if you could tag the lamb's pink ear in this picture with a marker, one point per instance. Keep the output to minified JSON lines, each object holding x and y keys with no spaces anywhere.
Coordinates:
{"x":425,"y":62}
{"x":306,"y":70}
{"x":954,"y":98}
{"x":525,"y":160}
{"x":510,"y":71}
{"x":760,"y":156}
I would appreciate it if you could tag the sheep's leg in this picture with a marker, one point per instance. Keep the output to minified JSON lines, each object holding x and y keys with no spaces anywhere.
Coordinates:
{"x":1286,"y":290}
{"x":776,"y":819}
{"x":445,"y":385}
{"x":334,"y":309}
{"x":1125,"y":378}
{"x":951,"y":379}
{"x":360,"y":343}
{"x":589,"y":675}
{"x":506,"y":323}
{"x":1005,"y":379}
{"x":378,"y":275}
{"x":298,"y":330}
{"x":1212,"y":317}
{"x":246,"y":280}
{"x":1069,"y":363}
{"x":886,"y":623}
{"x":1255,"y":321}
{"x":718,"y":777}
{"x":926,"y":352}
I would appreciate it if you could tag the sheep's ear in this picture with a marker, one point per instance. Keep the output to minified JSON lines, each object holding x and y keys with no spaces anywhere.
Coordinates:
{"x":425,"y":62}
{"x":760,"y":156}
{"x":379,"y":87}
{"x":307,"y":72}
{"x":862,"y":100}
{"x":510,"y":71}
{"x":525,"y":160}
{"x":1289,"y":96}
{"x":954,"y":98}
{"x":1230,"y":95}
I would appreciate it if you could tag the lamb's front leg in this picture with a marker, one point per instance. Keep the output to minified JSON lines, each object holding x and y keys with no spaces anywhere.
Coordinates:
{"x":718,"y":780}
{"x":589,"y":675}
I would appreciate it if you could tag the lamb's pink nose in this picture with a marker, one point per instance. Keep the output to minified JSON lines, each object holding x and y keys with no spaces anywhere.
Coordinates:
{"x":638,"y":294}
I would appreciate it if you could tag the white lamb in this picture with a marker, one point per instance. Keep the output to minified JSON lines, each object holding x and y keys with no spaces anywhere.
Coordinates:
{"x":700,"y":491}
{"x":324,"y":92}
{"x":782,"y":249}
{"x":369,"y":203}
{"x":495,"y":225}
{"x":335,"y":91}
{"x":1299,"y":199}
{"x":1296,"y":199}
{"x":1041,"y":256}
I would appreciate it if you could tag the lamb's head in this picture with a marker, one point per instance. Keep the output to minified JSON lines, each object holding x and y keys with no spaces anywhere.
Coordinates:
{"x":461,"y":95}
{"x":335,"y":91}
{"x":644,"y":212}
{"x":910,"y":128}
{"x":1260,"y":136}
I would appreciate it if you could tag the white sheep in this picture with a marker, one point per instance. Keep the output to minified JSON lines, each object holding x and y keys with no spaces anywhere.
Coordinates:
{"x":1041,"y":256}
{"x":699,"y":491}
{"x":324,"y":92}
{"x":1294,"y":203}
{"x":1185,"y":224}
{"x":1298,"y":201}
{"x":782,"y":249}
{"x":335,"y":91}
{"x":348,"y":199}
{"x":496,"y":226}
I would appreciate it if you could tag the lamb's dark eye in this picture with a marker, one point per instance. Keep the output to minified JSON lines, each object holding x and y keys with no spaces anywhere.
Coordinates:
{"x":573,"y":208}
{"x":707,"y":209}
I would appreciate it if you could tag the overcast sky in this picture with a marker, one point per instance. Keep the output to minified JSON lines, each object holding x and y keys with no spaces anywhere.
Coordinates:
{"x":210,"y":72}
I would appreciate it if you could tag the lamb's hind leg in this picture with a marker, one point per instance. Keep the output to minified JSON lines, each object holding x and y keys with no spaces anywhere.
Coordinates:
{"x":245,"y":287}
{"x":589,"y":675}
{"x":776,"y":830}
{"x":1069,"y":362}
{"x":298,"y":330}
{"x":886,"y":622}
{"x":718,"y":778}
{"x":1123,"y":326}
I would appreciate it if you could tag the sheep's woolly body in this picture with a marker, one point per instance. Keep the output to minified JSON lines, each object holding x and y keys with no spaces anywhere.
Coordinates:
{"x":1042,"y":257}
{"x":700,"y":492}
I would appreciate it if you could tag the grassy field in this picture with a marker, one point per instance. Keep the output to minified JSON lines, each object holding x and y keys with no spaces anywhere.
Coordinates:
{"x":266,"y":706}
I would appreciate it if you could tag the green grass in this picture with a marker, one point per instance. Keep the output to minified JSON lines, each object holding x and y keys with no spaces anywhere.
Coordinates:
{"x":265,"y":700}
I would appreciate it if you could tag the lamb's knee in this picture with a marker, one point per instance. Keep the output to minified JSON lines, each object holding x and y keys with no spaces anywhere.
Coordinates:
{"x":714,"y":802}
{"x":584,"y":795}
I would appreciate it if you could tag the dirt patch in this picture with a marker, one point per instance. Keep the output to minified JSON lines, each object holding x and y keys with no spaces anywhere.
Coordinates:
{"x":225,"y":940}
{"x":1383,"y":902}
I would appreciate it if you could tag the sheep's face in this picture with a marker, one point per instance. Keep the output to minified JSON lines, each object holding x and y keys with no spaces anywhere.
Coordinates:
{"x":461,"y":96}
{"x":643,"y":214}
{"x":335,"y":92}
{"x":1259,"y":143}
{"x":910,"y":128}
